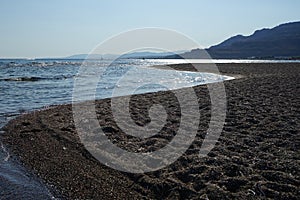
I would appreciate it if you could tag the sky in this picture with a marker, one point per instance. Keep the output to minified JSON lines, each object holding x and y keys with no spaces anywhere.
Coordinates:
{"x":58,"y":28}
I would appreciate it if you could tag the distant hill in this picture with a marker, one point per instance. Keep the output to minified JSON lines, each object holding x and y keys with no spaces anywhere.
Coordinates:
{"x":282,"y":41}
{"x":134,"y":55}
{"x":149,"y":55}
{"x":92,"y":56}
{"x":77,"y":56}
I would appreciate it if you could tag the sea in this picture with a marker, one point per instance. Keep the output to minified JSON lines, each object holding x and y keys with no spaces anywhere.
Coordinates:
{"x":34,"y":84}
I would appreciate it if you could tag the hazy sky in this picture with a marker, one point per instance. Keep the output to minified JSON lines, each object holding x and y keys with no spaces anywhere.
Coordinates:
{"x":55,"y":28}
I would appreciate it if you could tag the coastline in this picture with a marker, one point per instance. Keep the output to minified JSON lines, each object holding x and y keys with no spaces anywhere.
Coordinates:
{"x":254,"y":158}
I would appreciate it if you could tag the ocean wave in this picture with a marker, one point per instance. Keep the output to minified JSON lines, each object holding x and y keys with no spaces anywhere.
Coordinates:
{"x":39,"y":63}
{"x":35,"y":78}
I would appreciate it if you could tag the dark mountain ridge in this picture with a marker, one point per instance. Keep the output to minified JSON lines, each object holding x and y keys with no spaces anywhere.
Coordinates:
{"x":282,"y":41}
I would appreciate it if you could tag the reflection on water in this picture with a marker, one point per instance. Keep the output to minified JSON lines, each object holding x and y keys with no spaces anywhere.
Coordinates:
{"x":29,"y":85}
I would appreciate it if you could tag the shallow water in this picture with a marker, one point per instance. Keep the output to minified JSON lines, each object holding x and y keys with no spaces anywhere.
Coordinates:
{"x":16,"y":182}
{"x":27,"y":85}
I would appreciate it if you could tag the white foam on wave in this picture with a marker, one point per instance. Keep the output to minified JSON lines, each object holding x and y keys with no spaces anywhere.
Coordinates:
{"x":3,"y":149}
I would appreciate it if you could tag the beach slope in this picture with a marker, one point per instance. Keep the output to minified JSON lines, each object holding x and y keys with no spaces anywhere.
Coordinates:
{"x":256,"y":157}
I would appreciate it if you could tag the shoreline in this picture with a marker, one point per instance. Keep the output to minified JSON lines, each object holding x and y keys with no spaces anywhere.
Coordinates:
{"x":262,"y":111}
{"x":204,"y":67}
